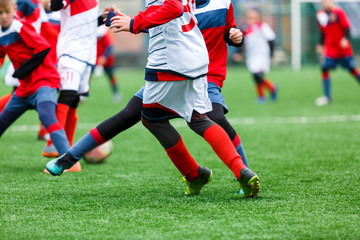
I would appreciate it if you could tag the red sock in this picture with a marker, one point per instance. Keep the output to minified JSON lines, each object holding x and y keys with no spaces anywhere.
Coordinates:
{"x":4,"y":100}
{"x":269,"y":85}
{"x":183,"y":161}
{"x":42,"y":130}
{"x":260,"y":89}
{"x":62,"y":111}
{"x":355,"y":73}
{"x":70,"y":125}
{"x":224,"y":148}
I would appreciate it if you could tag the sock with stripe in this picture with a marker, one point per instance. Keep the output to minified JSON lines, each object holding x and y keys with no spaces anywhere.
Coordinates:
{"x":87,"y":143}
{"x":61,"y":115}
{"x":269,"y":85}
{"x":326,"y":83}
{"x":356,"y":74}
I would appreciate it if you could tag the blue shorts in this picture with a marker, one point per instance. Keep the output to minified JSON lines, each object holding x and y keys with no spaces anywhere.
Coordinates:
{"x":215,"y":95}
{"x":43,"y":94}
{"x":346,"y":62}
{"x":140,"y":93}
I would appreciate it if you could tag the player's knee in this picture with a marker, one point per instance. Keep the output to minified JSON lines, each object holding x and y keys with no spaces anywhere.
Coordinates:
{"x":258,"y":77}
{"x":68,"y":97}
{"x":145,"y":123}
{"x":46,"y":113}
{"x":199,"y":125}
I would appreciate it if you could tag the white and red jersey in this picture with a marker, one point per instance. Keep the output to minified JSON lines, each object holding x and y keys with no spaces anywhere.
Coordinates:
{"x":20,"y":42}
{"x":257,"y":49}
{"x":177,"y":50}
{"x":215,"y":18}
{"x":77,"y":37}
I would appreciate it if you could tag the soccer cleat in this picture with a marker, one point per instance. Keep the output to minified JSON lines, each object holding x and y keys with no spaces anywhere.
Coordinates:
{"x":57,"y":166}
{"x":261,"y":100}
{"x":194,"y":187}
{"x":274,"y":94}
{"x":50,"y":151}
{"x":322,"y":101}
{"x":249,"y":183}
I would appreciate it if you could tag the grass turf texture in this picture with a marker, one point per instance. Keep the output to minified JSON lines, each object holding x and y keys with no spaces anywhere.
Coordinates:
{"x":309,"y":172}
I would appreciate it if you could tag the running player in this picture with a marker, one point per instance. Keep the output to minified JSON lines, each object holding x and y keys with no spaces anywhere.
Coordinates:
{"x":76,"y":52}
{"x":259,"y":45}
{"x":39,"y":79}
{"x":335,"y":45}
{"x":176,"y":86}
{"x":105,"y":59}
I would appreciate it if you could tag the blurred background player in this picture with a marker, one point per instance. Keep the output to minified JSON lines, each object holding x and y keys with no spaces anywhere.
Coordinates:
{"x":259,"y":47}
{"x":76,"y":52}
{"x":105,"y":59}
{"x":38,"y":77}
{"x":167,"y":83}
{"x":335,"y":45}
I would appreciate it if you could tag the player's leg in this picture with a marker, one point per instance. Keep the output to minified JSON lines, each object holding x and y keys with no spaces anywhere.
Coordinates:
{"x":259,"y":81}
{"x":123,"y":120}
{"x":71,"y":121}
{"x":114,"y":83}
{"x":66,"y":99}
{"x":350,"y":64}
{"x":219,"y":109}
{"x":217,"y":115}
{"x":271,"y":87}
{"x":194,"y":175}
{"x":223,"y":147}
{"x":12,"y":111}
{"x":327,"y":65}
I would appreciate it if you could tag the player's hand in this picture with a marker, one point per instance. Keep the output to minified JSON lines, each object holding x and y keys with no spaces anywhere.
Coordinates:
{"x":110,"y":9}
{"x":236,"y":35}
{"x":120,"y":23}
{"x":319,"y":48}
{"x":102,"y":61}
{"x":46,"y":4}
{"x":344,"y":43}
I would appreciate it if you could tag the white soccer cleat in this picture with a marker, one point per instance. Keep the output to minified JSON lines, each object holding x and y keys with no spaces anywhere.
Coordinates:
{"x":322,"y":101}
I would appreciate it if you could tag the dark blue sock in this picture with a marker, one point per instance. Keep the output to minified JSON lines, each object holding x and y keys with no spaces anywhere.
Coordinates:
{"x":326,"y":86}
{"x":60,"y":141}
{"x":83,"y":146}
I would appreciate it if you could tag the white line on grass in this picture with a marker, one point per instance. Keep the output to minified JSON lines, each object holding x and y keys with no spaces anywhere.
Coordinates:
{"x":233,"y":121}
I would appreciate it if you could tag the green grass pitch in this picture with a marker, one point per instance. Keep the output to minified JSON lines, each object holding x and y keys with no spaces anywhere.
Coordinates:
{"x":307,"y":158}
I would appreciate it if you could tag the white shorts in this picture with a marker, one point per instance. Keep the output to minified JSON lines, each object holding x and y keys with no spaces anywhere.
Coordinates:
{"x":9,"y":80}
{"x":74,"y":74}
{"x":258,"y":64}
{"x":181,"y":97}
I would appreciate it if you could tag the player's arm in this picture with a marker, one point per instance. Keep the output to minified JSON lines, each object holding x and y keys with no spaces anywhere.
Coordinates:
{"x":232,"y":35}
{"x":151,"y":17}
{"x":272,"y":47}
{"x":40,"y":48}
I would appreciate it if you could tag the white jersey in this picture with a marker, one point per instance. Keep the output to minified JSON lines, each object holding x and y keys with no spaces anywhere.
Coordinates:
{"x":257,"y":50}
{"x":176,"y":48}
{"x":77,"y":37}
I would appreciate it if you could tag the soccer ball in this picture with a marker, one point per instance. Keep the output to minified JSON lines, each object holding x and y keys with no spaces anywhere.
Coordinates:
{"x":100,"y":153}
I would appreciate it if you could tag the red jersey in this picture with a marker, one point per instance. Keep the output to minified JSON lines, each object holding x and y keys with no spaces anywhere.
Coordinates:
{"x":333,"y":25}
{"x":105,"y":42}
{"x":20,"y":42}
{"x":215,"y":20}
